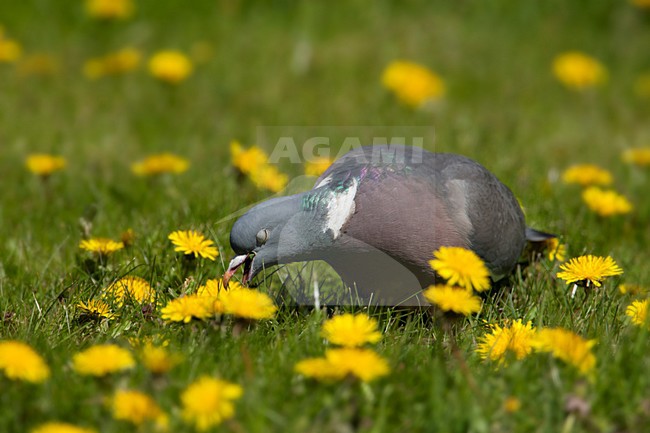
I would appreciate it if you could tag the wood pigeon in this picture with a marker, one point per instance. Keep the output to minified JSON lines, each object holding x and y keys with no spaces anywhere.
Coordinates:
{"x":377,"y":215}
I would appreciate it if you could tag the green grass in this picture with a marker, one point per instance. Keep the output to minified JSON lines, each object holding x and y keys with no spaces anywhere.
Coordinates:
{"x":503,"y":109}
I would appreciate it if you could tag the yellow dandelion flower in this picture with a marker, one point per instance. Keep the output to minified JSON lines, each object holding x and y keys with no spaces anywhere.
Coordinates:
{"x":567,"y":346}
{"x":43,"y":164}
{"x":248,"y":304}
{"x":102,"y":359}
{"x":516,"y":338}
{"x":192,"y":242}
{"x":135,"y":407}
{"x":364,"y":364}
{"x":131,"y":289}
{"x":249,"y":160}
{"x":578,"y":71}
{"x":170,"y":66}
{"x":158,"y":359}
{"x":101,"y":246}
{"x":10,"y":50}
{"x":461,"y":267}
{"x":119,"y":62}
{"x":122,"y":61}
{"x":109,"y":9}
{"x":253,"y":162}
{"x":61,"y":427}
{"x":639,"y":156}
{"x":213,"y":287}
{"x":555,"y":250}
{"x":160,"y":163}
{"x":19,"y":361}
{"x":589,"y":270}
{"x":270,"y":178}
{"x":212,"y":290}
{"x":638,"y":312}
{"x":214,"y":306}
{"x":512,"y":404}
{"x":412,"y":84}
{"x":41,"y":64}
{"x":587,"y":174}
{"x":96,"y":309}
{"x":458,"y":300}
{"x":186,"y":308}
{"x":606,"y":202}
{"x":319,"y":369}
{"x":632,"y":289}
{"x":351,"y":330}
{"x":209,"y":401}
{"x":317,"y":166}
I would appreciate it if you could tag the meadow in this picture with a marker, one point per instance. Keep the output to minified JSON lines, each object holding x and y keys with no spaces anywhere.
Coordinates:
{"x":255,"y":66}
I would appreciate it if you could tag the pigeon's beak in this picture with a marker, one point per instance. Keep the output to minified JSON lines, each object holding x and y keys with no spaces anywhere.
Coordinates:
{"x":236,"y":263}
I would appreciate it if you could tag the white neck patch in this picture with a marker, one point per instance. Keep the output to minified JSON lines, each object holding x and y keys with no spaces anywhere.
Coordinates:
{"x":340,"y":209}
{"x":323,"y":182}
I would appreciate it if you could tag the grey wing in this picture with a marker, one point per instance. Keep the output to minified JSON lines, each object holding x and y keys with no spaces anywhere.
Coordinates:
{"x":498,"y":229}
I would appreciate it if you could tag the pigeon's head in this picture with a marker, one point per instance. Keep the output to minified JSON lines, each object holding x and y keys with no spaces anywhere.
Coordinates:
{"x":275,"y":231}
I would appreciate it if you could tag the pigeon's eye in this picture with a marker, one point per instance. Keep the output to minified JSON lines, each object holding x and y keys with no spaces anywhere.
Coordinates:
{"x":261,"y":237}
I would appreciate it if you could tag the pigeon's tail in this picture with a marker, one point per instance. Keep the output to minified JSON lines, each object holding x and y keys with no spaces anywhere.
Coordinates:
{"x":535,"y":236}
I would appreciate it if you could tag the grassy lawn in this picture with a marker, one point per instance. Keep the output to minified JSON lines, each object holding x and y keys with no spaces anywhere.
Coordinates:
{"x":262,"y":66}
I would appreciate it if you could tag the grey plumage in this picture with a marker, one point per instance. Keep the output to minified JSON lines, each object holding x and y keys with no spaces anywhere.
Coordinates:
{"x":376,"y":216}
